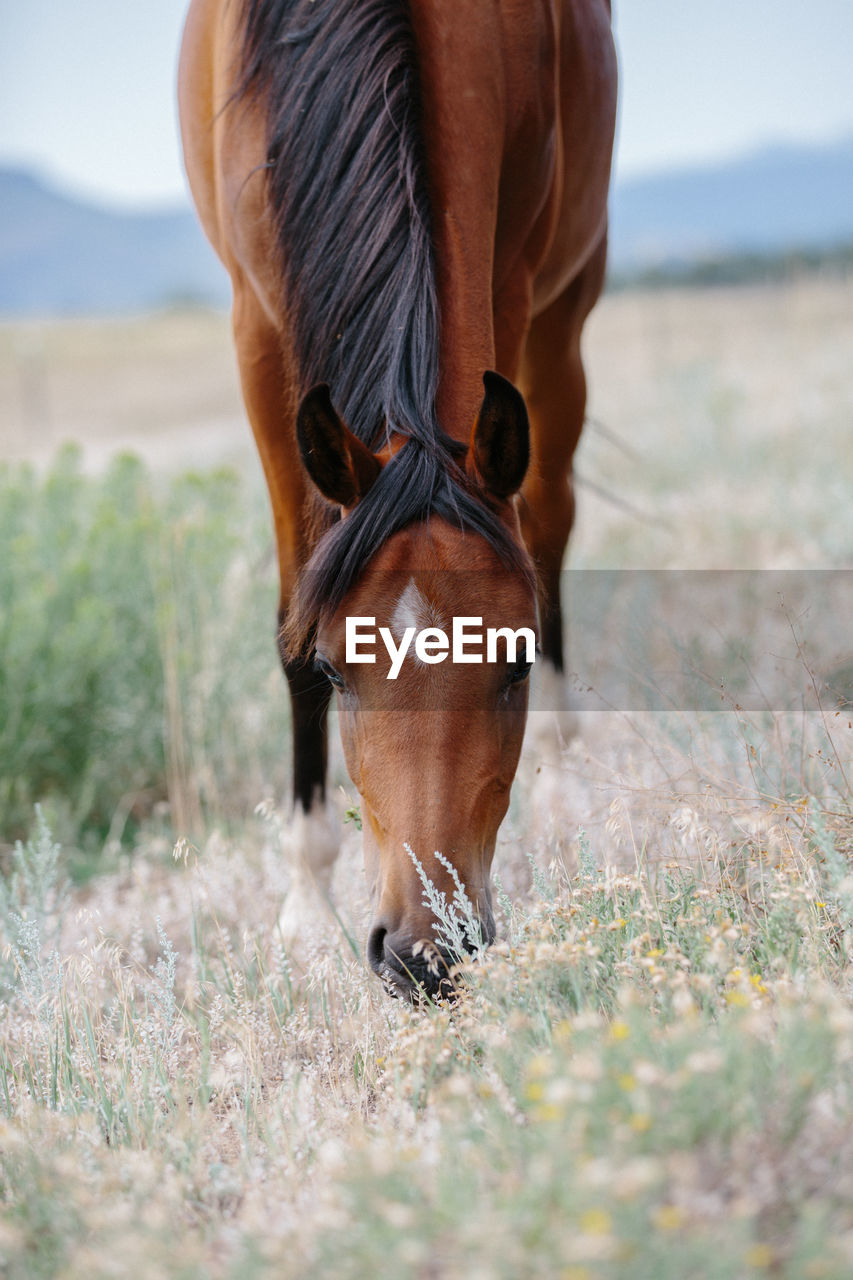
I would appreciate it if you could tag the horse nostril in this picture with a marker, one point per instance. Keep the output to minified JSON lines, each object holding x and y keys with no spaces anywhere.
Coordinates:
{"x":376,"y":948}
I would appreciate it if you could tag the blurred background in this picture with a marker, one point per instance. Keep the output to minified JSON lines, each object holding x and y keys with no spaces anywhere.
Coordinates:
{"x":139,"y":680}
{"x":735,"y":142}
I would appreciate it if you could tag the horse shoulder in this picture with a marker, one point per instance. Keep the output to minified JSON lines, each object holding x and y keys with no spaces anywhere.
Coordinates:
{"x":225,"y":152}
{"x":585,"y":116}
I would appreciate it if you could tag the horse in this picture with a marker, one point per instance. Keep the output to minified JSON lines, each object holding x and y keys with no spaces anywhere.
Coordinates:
{"x":410,"y":197}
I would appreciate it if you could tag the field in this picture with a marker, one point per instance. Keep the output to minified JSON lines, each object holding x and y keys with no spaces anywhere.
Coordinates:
{"x":650,"y":1075}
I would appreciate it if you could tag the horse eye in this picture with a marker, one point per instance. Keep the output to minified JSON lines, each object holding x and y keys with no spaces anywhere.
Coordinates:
{"x":326,"y":669}
{"x":519,"y":673}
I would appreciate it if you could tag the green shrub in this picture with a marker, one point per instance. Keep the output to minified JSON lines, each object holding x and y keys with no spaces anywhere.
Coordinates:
{"x":135,"y":639}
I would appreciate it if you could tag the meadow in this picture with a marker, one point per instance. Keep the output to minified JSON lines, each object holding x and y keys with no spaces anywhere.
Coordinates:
{"x":649,"y":1075}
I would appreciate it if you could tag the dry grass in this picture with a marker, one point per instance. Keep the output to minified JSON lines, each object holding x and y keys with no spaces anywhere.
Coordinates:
{"x":163,"y":386}
{"x":738,"y":404}
{"x":648,"y":1077}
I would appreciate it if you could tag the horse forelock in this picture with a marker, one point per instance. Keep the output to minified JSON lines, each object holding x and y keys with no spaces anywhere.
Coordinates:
{"x":413,"y":487}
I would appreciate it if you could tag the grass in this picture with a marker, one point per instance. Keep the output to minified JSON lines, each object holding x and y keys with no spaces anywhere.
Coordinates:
{"x":137,"y":641}
{"x":649,"y":1075}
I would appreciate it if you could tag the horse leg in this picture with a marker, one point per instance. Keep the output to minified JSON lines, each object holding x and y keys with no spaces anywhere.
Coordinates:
{"x":269,"y":398}
{"x":553,"y":381}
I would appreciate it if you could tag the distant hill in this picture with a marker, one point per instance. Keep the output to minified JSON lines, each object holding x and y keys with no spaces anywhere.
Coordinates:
{"x":773,"y":201}
{"x":59,"y":255}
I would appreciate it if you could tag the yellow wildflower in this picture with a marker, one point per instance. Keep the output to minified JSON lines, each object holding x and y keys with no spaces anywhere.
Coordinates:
{"x":668,"y":1217}
{"x":758,"y":1255}
{"x":596,"y":1222}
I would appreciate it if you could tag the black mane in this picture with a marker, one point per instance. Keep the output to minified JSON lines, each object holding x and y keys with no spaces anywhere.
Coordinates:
{"x":347,"y":181}
{"x":346,"y":177}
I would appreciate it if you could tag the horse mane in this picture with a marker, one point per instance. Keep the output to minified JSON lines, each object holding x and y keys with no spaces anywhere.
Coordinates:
{"x":347,"y":183}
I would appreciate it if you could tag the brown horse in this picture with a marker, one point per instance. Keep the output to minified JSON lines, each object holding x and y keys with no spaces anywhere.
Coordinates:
{"x":408,"y":194}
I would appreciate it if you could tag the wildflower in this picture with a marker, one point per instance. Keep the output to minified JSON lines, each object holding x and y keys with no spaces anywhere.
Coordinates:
{"x":683,"y":1003}
{"x":596,"y":1222}
{"x":634,"y":1177}
{"x":758,"y":1255}
{"x":668,"y":1217}
{"x":704,"y":1060}
{"x":548,"y":1112}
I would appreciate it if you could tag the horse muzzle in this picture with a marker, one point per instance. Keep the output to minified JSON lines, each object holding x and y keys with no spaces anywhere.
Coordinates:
{"x":414,"y":968}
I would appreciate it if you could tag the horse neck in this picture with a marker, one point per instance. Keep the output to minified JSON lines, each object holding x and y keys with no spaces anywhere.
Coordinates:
{"x":464,"y":179}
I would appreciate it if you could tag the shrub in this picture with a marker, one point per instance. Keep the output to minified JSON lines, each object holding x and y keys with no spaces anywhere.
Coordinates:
{"x":135,"y":637}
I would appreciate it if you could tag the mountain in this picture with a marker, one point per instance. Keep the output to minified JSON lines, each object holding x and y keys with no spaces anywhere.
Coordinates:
{"x":777,"y":199}
{"x":61,"y":255}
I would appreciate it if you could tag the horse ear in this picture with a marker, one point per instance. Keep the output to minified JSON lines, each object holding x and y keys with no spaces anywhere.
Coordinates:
{"x":500,"y":441}
{"x":340,"y":465}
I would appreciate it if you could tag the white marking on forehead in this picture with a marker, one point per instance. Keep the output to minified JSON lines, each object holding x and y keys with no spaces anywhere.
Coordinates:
{"x":412,"y":610}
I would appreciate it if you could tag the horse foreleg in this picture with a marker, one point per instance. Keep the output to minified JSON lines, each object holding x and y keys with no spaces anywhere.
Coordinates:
{"x":553,"y":381}
{"x":313,"y":836}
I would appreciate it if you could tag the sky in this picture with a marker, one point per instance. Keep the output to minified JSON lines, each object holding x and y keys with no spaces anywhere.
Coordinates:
{"x":87,"y":87}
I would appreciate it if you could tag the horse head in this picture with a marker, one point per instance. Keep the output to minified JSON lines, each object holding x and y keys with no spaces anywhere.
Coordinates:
{"x":429,"y":651}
